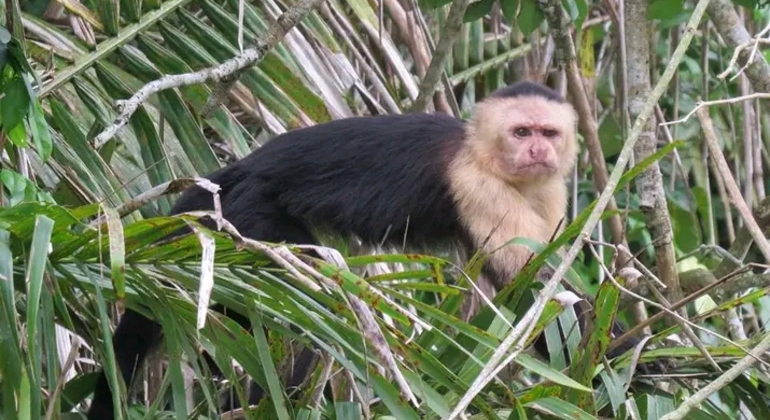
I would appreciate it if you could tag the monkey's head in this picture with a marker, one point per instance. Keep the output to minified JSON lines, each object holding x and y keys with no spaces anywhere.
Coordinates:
{"x":525,"y":133}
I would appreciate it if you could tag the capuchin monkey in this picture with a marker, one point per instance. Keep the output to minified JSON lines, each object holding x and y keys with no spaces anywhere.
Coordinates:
{"x":424,"y":179}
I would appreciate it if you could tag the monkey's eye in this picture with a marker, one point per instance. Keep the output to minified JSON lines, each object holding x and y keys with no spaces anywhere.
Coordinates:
{"x":522,"y":132}
{"x":549,"y":133}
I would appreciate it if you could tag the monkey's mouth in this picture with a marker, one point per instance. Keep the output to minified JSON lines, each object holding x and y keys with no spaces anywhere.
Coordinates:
{"x":537,"y":168}
{"x":537,"y":165}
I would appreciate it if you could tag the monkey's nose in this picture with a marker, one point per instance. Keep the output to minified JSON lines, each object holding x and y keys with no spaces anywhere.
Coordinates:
{"x":538,"y":154}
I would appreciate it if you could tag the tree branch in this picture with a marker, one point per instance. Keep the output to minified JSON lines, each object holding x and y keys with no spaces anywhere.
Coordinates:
{"x":454,"y":24}
{"x":649,"y":184}
{"x":732,"y":31}
{"x":248,"y":57}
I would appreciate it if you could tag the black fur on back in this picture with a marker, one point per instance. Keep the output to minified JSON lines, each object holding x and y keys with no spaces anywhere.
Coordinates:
{"x":527,"y":88}
{"x":377,"y":178}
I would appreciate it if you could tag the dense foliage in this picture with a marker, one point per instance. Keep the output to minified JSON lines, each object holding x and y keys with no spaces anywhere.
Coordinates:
{"x":80,"y":218}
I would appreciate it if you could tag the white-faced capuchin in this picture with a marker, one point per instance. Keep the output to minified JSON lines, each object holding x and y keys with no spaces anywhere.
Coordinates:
{"x":423,"y":179}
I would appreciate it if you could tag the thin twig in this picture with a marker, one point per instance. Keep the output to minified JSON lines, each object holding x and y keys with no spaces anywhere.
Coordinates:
{"x":730,"y":26}
{"x":454,"y":24}
{"x":617,"y":341}
{"x":168,"y":187}
{"x":701,"y":104}
{"x":755,"y":46}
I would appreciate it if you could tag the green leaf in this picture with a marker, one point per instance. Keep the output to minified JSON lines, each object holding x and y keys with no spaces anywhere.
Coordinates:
{"x":94,"y":102}
{"x":548,"y":372}
{"x":11,"y":363}
{"x":509,"y":8}
{"x":131,"y":10}
{"x":38,"y":127}
{"x":665,"y":9}
{"x":594,"y":345}
{"x":218,"y":49}
{"x":36,"y":267}
{"x":530,"y":17}
{"x":109,"y":14}
{"x":177,"y":114}
{"x":517,"y":410}
{"x":477,"y":10}
{"x":18,"y":135}
{"x":275,"y":388}
{"x":578,"y":11}
{"x":276,"y":66}
{"x":19,"y":187}
{"x":14,"y":105}
{"x":17,"y":58}
{"x":91,"y":170}
{"x":558,"y":408}
{"x":117,"y":250}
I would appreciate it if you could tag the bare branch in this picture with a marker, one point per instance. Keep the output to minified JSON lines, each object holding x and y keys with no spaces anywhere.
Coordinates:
{"x":730,"y":27}
{"x":248,"y":57}
{"x":454,"y":24}
{"x":168,"y":187}
{"x":754,"y":44}
{"x":699,"y":105}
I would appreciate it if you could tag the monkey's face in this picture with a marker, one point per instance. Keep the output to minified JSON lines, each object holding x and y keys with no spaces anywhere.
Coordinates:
{"x":525,"y":139}
{"x":531,"y":150}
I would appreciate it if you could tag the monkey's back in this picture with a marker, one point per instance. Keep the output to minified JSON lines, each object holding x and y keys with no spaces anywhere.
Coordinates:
{"x":377,"y":177}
